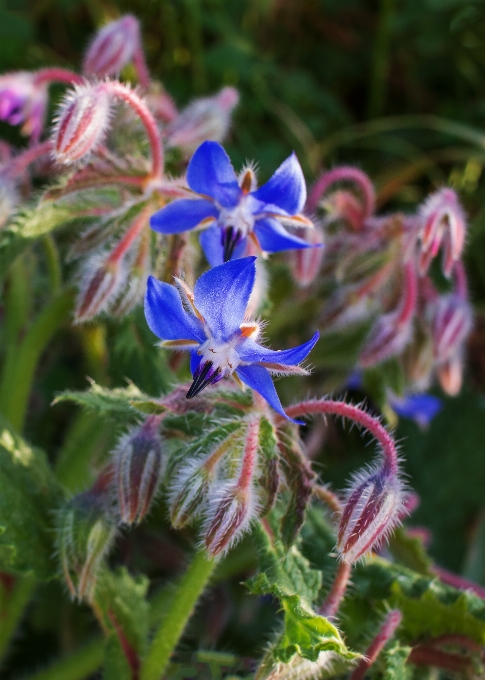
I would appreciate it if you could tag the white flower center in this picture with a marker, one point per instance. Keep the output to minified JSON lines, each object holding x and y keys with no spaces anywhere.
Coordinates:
{"x":222,"y":355}
{"x":240,"y":218}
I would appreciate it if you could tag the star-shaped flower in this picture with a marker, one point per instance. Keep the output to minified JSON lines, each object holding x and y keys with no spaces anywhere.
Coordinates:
{"x":234,"y":210}
{"x":211,"y":324}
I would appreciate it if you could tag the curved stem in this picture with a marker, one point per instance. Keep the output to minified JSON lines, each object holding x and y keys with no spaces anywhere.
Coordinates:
{"x":58,"y":75}
{"x":175,"y":620}
{"x":344,"y":173}
{"x":19,"y":163}
{"x":354,"y":413}
{"x":388,"y":629}
{"x":337,"y":591}
{"x":123,"y":92}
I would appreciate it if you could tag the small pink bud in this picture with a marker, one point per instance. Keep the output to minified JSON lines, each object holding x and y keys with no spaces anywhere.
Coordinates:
{"x":305,"y":263}
{"x":112,"y":47}
{"x":387,"y":338}
{"x":234,"y":510}
{"x":139,"y":270}
{"x":443,"y":223}
{"x":451,"y":325}
{"x":207,"y":118}
{"x":372,"y":510}
{"x":100,"y":286}
{"x":81,"y":123}
{"x":138,"y":466}
{"x":450,"y":375}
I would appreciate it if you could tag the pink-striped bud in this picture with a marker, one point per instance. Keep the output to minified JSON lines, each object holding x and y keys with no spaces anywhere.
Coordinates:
{"x":387,"y":338}
{"x":138,"y":466}
{"x":451,"y":325}
{"x":101,"y":284}
{"x":443,"y":223}
{"x":112,"y":47}
{"x":207,"y":118}
{"x":139,"y":270}
{"x":372,"y":510}
{"x":81,"y":123}
{"x":305,"y":263}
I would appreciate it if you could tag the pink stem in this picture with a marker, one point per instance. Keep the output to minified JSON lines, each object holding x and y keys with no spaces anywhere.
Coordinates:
{"x":58,"y":75}
{"x":458,"y":581}
{"x":123,"y":92}
{"x":332,"y":602}
{"x":141,"y":67}
{"x":250,"y":451}
{"x":423,"y":655}
{"x":19,"y":163}
{"x":461,"y":283}
{"x":130,"y":236}
{"x":457,"y":641}
{"x":388,"y":629}
{"x":340,"y":408}
{"x":344,"y":173}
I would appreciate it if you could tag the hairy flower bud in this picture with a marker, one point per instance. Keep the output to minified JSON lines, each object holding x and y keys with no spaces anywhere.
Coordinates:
{"x":100,"y":286}
{"x":451,"y":325}
{"x":81,"y":123}
{"x":206,"y":118}
{"x":112,"y":47}
{"x":372,"y":510}
{"x":138,"y":466}
{"x":387,"y":337}
{"x":85,"y":533}
{"x":305,"y":263}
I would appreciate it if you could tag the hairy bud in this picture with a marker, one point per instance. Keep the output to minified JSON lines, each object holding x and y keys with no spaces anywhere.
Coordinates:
{"x":138,"y":466}
{"x":81,"y":123}
{"x":112,"y":47}
{"x":85,"y":533}
{"x":102,"y":281}
{"x":23,"y":101}
{"x":452,"y":323}
{"x":372,"y":510}
{"x":387,"y":337}
{"x":207,"y":118}
{"x":305,"y":263}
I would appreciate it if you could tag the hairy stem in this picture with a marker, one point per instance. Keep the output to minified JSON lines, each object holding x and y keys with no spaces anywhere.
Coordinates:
{"x":388,"y":629}
{"x":58,"y":75}
{"x":344,"y":173}
{"x":337,"y":591}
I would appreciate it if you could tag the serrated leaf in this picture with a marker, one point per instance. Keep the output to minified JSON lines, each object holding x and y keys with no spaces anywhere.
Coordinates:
{"x":394,"y":660}
{"x":29,"y":494}
{"x":409,"y":551}
{"x":115,"y":667}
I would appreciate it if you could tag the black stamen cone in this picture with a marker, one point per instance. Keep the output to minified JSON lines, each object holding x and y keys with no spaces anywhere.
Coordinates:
{"x":230,"y":239}
{"x":202,"y":377}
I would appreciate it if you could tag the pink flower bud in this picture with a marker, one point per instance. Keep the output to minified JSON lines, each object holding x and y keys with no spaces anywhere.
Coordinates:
{"x":450,"y":375}
{"x":112,"y":47}
{"x":233,"y":512}
{"x":138,"y":466}
{"x":387,"y":338}
{"x":305,"y":263}
{"x":81,"y":123}
{"x":451,"y":325}
{"x":443,"y":223}
{"x":101,"y":284}
{"x":23,"y":101}
{"x":344,"y":205}
{"x":207,"y":118}
{"x":372,"y":510}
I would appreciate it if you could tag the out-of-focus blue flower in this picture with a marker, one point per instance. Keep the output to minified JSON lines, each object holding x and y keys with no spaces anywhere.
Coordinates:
{"x":210,"y":323}
{"x":233,"y":210}
{"x":421,"y":408}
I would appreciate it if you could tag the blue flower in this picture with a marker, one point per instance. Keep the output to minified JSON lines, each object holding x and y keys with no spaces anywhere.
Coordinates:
{"x":211,"y":324}
{"x":234,"y":210}
{"x":421,"y":408}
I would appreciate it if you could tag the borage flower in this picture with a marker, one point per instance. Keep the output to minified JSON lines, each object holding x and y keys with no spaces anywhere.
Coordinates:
{"x":221,"y":340}
{"x":234,"y":210}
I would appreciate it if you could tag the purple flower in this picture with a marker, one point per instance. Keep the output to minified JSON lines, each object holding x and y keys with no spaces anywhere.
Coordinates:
{"x":421,"y":408}
{"x":234,"y":210}
{"x":23,"y":101}
{"x":211,"y":324}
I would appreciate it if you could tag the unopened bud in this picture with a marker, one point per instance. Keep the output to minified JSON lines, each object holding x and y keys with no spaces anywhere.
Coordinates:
{"x":234,"y":509}
{"x":85,"y":533}
{"x":450,"y":375}
{"x":344,"y":205}
{"x":112,"y":47}
{"x":372,"y":510}
{"x":451,"y":325}
{"x":387,"y":338}
{"x":81,"y":123}
{"x":138,"y":466}
{"x":23,"y":101}
{"x":207,"y":118}
{"x":134,"y":291}
{"x":101,"y":284}
{"x":305,"y":262}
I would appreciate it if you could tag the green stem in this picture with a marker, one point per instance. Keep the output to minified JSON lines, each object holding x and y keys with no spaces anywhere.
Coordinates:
{"x":19,"y":369}
{"x":76,"y":666}
{"x":380,"y":62}
{"x":53,"y":262}
{"x":15,"y":605}
{"x":181,"y":607}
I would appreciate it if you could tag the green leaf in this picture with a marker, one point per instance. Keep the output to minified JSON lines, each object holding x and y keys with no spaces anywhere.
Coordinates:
{"x":394,"y":660}
{"x":29,"y":494}
{"x":299,"y":477}
{"x":409,"y":551}
{"x":116,"y":667}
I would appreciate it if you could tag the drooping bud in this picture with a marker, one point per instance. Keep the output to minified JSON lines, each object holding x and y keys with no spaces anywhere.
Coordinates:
{"x":85,"y":532}
{"x":443,"y":223}
{"x":136,"y":286}
{"x":23,"y":101}
{"x":387,"y":338}
{"x":305,"y":262}
{"x":81,"y":123}
{"x":112,"y":47}
{"x":137,"y":470}
{"x":203,"y":119}
{"x":451,"y":325}
{"x":100,"y":286}
{"x":372,"y":510}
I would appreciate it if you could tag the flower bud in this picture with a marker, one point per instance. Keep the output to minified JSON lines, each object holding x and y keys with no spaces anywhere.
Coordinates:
{"x":134,"y":291}
{"x":81,"y":123}
{"x":137,"y":470}
{"x":161,"y":104}
{"x":387,"y":337}
{"x":451,"y":325}
{"x":344,"y":205}
{"x":305,"y":263}
{"x":450,"y":375}
{"x":372,"y":510}
{"x":112,"y":47}
{"x":233,"y":512}
{"x":101,"y":284}
{"x":23,"y":101}
{"x":85,"y":533}
{"x":207,"y":118}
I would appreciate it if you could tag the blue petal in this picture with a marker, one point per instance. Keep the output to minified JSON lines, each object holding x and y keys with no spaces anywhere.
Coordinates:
{"x":273,"y":237}
{"x":286,"y":189}
{"x":210,"y":242}
{"x":250,"y":352}
{"x":419,"y":407}
{"x":195,"y":360}
{"x":210,"y":172}
{"x":165,"y":315}
{"x":260,"y":380}
{"x":182,"y":215}
{"x":221,"y":295}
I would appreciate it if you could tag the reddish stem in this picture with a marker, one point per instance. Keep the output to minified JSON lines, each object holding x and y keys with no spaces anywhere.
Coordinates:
{"x":344,"y":174}
{"x":18,"y":164}
{"x":131,"y":235}
{"x":388,"y":629}
{"x":249,"y":457}
{"x":461,"y":283}
{"x":423,"y":655}
{"x":458,"y":581}
{"x":128,"y":649}
{"x":354,"y":413}
{"x":335,"y":596}
{"x":410,"y":293}
{"x":457,"y":641}
{"x":58,"y":75}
